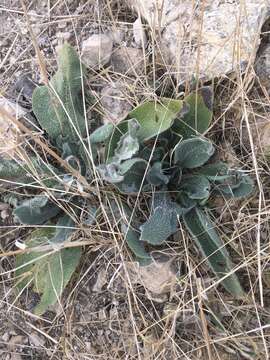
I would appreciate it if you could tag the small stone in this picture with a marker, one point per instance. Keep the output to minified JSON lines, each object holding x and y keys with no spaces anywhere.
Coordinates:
{"x":128,"y":61}
{"x":64,"y":35}
{"x":262,"y":67}
{"x":36,"y":340}
{"x":101,"y":281}
{"x":97,"y":51}
{"x":139,"y":33}
{"x":114,"y":103}
{"x":5,"y":337}
{"x":4,"y":214}
{"x":117,"y":36}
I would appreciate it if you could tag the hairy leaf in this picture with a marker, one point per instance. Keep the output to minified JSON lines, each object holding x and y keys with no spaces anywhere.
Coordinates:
{"x":199,"y":115}
{"x":215,"y":172}
{"x":133,"y":171}
{"x":192,"y":153}
{"x":153,"y":117}
{"x":102,"y":133}
{"x":195,"y":186}
{"x":134,"y":243}
{"x":59,"y":106}
{"x":155,"y":175}
{"x":163,"y":222}
{"x":36,"y":211}
{"x":64,"y":228}
{"x":49,"y":272}
{"x":212,"y":248}
{"x":128,"y":144}
{"x":237,"y":186}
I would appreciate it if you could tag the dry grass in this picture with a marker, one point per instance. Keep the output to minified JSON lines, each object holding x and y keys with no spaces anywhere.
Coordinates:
{"x":199,"y":320}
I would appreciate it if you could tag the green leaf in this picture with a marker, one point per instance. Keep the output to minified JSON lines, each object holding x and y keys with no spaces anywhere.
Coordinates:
{"x":212,"y":248}
{"x":163,"y":222}
{"x":101,"y":134}
{"x":153,"y":118}
{"x":59,"y":106}
{"x":155,"y":175}
{"x":134,"y":244}
{"x":199,"y":115}
{"x":36,"y":211}
{"x":64,"y":228}
{"x":195,"y":186}
{"x":133,"y":171}
{"x":237,"y":186}
{"x":193,"y":153}
{"x":128,"y":144}
{"x":215,"y":172}
{"x":49,"y":272}
{"x":158,"y":227}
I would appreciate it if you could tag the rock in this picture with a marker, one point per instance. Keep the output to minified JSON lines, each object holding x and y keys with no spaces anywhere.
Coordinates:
{"x":158,"y":278}
{"x":225,"y":41}
{"x":128,"y":61}
{"x":9,"y":133}
{"x":139,"y":33}
{"x":114,"y":102}
{"x":262,"y":67}
{"x":97,"y":50}
{"x":101,"y":281}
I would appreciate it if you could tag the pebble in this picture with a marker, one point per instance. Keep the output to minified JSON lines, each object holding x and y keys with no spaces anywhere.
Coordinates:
{"x":128,"y":61}
{"x":114,"y":103}
{"x":139,"y":33}
{"x":97,"y":50}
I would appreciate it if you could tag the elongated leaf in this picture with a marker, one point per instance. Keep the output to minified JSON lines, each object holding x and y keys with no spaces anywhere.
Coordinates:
{"x":36,"y":211}
{"x":59,"y":106}
{"x":195,"y":186}
{"x":135,"y":245}
{"x":212,"y":248}
{"x":199,"y":115}
{"x":102,"y":133}
{"x":192,"y":153}
{"x":49,"y":272}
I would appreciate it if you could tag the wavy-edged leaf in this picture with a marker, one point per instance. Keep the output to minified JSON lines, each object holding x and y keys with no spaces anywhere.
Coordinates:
{"x":199,"y":115}
{"x":193,"y":153}
{"x":133,"y":172}
{"x":128,"y":144}
{"x":59,"y":106}
{"x":215,"y":172}
{"x":49,"y":272}
{"x":237,"y":186}
{"x":36,"y":210}
{"x":163,"y":222}
{"x":153,"y":117}
{"x":110,"y":173}
{"x":195,"y":186}
{"x":206,"y":237}
{"x":156,"y":176}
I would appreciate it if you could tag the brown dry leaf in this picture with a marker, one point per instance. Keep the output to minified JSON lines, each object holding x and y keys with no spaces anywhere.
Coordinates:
{"x":9,"y":133}
{"x":158,"y":278}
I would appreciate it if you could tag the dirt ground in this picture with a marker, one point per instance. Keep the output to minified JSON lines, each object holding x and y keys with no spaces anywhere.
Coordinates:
{"x":103,"y":313}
